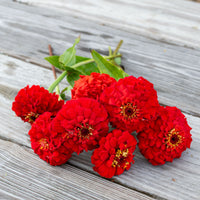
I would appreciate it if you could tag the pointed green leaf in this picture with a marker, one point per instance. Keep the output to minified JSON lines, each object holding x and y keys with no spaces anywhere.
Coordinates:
{"x":68,"y":58}
{"x":107,"y":67}
{"x":54,"y":60}
{"x":77,"y":40}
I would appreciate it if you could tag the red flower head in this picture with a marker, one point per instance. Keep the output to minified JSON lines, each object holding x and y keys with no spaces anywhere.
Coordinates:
{"x":131,"y":102}
{"x":84,"y":121}
{"x":91,"y":86}
{"x":49,"y":145}
{"x":31,"y":102}
{"x":166,"y":138}
{"x":115,"y":153}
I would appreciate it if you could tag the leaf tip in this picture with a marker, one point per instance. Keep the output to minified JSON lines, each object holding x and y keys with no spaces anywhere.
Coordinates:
{"x":46,"y":58}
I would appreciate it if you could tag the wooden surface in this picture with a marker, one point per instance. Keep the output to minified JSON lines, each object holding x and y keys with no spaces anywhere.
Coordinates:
{"x":171,"y":21}
{"x":38,"y":180}
{"x":173,"y":68}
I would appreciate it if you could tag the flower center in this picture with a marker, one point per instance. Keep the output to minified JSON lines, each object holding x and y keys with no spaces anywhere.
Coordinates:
{"x":173,"y":139}
{"x":31,"y":117}
{"x":43,"y":144}
{"x":129,"y":111}
{"x":120,"y":158}
{"x":85,"y":131}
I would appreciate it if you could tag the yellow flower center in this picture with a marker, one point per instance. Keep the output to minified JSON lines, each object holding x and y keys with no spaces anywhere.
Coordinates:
{"x":129,"y":111}
{"x":31,"y":117}
{"x":43,"y":144}
{"x":173,"y":139}
{"x":120,"y":158}
{"x":85,"y":132}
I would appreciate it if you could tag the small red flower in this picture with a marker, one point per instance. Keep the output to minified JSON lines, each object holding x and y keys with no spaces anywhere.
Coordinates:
{"x":130,"y":102}
{"x":115,"y":153}
{"x":31,"y":102}
{"x":49,"y":145}
{"x":166,"y":138}
{"x":84,"y":121}
{"x":91,"y":86}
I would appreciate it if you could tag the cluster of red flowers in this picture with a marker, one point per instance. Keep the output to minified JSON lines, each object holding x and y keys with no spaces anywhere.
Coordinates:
{"x":82,"y":123}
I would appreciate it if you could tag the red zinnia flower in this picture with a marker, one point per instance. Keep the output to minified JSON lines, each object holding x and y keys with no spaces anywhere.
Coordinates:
{"x":31,"y":102}
{"x":84,"y":121}
{"x":115,"y":153}
{"x":130,"y":102}
{"x":49,"y":145}
{"x":166,"y":138}
{"x":91,"y":86}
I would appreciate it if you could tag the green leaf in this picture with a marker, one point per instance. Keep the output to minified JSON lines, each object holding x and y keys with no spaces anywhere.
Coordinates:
{"x":63,"y":96}
{"x":54,"y":60}
{"x":107,"y":67}
{"x":118,"y":60}
{"x":68,"y":58}
{"x":66,"y":92}
{"x":88,"y":68}
{"x":73,"y":75}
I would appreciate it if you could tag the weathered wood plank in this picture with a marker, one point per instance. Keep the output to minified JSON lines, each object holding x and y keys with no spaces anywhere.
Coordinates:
{"x":24,"y":176}
{"x":156,"y":181}
{"x":174,"y":70}
{"x":168,"y":21}
{"x":7,"y":196}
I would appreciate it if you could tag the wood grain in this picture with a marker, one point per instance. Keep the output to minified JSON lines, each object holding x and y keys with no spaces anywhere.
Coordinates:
{"x":24,"y":176}
{"x":183,"y":175}
{"x":168,"y":21}
{"x":174,"y":70}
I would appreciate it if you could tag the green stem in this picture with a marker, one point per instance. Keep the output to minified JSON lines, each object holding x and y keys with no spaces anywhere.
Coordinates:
{"x":58,"y":92}
{"x":118,"y":47}
{"x":92,"y":60}
{"x":62,"y":76}
{"x":57,"y":81}
{"x":110,"y":51}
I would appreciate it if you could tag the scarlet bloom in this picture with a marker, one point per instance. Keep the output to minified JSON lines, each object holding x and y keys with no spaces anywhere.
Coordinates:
{"x":91,"y":86}
{"x":115,"y":153}
{"x":49,"y":145}
{"x":84,"y":121}
{"x":166,"y":138}
{"x":31,"y":102}
{"x":130,"y":102}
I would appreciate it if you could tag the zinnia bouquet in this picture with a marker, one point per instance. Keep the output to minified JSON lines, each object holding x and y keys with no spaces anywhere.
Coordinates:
{"x":107,"y":110}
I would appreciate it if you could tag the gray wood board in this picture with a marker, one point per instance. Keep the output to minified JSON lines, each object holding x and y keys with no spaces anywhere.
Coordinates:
{"x":172,"y":21}
{"x":26,"y":32}
{"x":177,"y":180}
{"x":24,"y":176}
